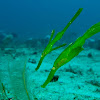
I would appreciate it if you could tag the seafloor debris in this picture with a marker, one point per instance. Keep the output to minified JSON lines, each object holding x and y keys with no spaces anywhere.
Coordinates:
{"x":55,"y":78}
{"x":33,"y":61}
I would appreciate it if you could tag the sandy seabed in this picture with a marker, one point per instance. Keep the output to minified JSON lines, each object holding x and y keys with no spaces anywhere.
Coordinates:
{"x":78,"y":80}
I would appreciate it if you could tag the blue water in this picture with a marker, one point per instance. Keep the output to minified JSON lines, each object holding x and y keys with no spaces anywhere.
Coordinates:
{"x":37,"y":18}
{"x":25,"y":29}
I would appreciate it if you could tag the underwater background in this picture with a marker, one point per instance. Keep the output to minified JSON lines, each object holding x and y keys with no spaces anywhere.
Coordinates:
{"x":25,"y":31}
{"x":37,"y":18}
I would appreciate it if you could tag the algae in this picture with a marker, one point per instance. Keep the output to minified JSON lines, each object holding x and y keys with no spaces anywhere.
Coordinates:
{"x":72,"y":51}
{"x":59,"y":35}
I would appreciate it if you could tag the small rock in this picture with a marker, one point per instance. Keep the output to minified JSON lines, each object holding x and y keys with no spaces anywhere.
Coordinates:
{"x":90,"y":55}
{"x":32,"y":61}
{"x":34,"y":53}
{"x":55,"y":78}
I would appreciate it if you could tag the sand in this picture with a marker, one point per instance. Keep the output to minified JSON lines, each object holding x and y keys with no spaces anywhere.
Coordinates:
{"x":78,"y":80}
